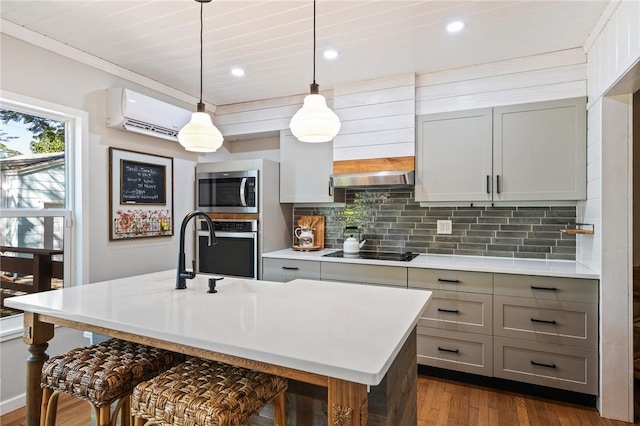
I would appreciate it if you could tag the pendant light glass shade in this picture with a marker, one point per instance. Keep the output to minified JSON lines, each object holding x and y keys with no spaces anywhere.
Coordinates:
{"x":199,"y":134}
{"x":314,"y":122}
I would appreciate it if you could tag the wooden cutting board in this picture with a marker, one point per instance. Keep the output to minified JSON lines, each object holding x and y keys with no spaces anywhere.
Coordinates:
{"x":317,"y":223}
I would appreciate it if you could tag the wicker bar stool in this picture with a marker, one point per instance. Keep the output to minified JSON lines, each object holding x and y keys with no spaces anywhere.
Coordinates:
{"x":200,"y":392}
{"x":101,"y":374}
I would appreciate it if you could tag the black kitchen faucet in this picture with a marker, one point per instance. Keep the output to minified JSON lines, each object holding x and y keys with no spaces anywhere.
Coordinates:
{"x":183,"y":274}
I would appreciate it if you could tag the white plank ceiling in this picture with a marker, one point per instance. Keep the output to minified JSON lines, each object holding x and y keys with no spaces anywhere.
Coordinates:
{"x":272,"y":39}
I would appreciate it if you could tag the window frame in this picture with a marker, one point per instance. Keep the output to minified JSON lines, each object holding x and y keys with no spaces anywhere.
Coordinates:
{"x":75,"y":212}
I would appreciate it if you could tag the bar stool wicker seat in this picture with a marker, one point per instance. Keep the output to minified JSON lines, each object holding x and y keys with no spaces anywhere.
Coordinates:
{"x":102,"y":374}
{"x":200,"y":392}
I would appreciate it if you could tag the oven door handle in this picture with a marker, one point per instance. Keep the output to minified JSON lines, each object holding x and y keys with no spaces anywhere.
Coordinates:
{"x":243,"y":184}
{"x":223,"y":234}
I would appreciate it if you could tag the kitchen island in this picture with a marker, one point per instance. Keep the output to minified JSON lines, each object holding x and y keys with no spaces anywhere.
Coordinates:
{"x":347,"y":339}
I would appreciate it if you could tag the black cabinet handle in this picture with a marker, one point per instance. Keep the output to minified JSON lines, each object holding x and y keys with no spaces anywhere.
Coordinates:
{"x":542,"y":364}
{"x":290,"y":268}
{"x":443,"y":280}
{"x":544,"y":321}
{"x":488,"y":184}
{"x":497,"y":184}
{"x":533,"y":287}
{"x":453,"y":351}
{"x":449,"y":311}
{"x":330,"y":186}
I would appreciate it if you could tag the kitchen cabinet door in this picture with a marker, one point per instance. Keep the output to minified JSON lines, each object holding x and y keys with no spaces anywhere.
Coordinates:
{"x":453,"y":156}
{"x":304,"y":170}
{"x":526,"y":152}
{"x":539,"y":151}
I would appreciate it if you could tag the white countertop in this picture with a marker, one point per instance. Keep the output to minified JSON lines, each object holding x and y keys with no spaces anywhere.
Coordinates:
{"x":552,"y":268}
{"x":344,"y":331}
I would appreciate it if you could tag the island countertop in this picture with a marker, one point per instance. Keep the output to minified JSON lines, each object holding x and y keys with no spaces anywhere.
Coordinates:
{"x":550,"y":268}
{"x":348,"y":332}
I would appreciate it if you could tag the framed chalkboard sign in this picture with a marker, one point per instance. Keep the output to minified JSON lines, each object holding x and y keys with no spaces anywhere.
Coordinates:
{"x":140,"y":195}
{"x":142,"y":183}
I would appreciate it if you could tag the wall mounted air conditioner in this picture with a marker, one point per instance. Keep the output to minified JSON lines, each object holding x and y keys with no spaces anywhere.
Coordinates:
{"x":134,"y":112}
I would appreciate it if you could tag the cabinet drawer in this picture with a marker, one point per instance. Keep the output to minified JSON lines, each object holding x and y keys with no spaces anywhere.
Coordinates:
{"x":443,"y":279}
{"x":453,"y":310}
{"x":566,"y":323}
{"x":284,"y":270}
{"x":455,"y":350}
{"x":551,"y":288}
{"x":366,"y":274}
{"x":563,"y":367}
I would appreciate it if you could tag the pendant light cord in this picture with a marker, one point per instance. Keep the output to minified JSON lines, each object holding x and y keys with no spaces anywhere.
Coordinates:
{"x":314,"y":41}
{"x":201,"y":25}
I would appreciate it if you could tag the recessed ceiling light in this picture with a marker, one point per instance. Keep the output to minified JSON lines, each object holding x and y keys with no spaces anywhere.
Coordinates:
{"x":238,"y":72}
{"x":455,"y":26}
{"x":331,"y":54}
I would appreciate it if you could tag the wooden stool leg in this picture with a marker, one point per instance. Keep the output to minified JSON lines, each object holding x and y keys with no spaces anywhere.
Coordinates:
{"x":52,"y":410}
{"x":104,"y":416}
{"x":279,"y":411}
{"x":46,"y":394}
{"x":125,"y":412}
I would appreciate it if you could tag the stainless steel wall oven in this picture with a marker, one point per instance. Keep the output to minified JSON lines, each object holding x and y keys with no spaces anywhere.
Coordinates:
{"x":236,"y":253}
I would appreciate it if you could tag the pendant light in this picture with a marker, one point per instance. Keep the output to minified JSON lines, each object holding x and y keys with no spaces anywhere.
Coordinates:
{"x":199,"y":134}
{"x":314,"y":122}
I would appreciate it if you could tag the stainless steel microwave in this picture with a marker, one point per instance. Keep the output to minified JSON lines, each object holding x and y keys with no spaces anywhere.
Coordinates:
{"x":227,"y":192}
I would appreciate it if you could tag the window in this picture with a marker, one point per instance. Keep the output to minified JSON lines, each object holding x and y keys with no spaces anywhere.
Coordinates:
{"x":40,"y":184}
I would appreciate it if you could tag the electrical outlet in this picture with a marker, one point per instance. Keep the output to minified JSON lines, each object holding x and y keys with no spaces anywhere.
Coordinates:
{"x":444,"y":227}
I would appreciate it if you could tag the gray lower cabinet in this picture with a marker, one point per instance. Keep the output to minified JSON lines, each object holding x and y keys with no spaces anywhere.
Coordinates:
{"x":455,"y":331}
{"x":455,"y":350}
{"x":394,"y":276}
{"x":557,"y":366}
{"x":283,"y":270}
{"x":533,"y":329}
{"x":546,"y":331}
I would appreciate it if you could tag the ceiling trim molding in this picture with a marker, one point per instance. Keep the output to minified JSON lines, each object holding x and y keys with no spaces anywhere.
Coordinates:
{"x":602,"y":22}
{"x":37,"y":39}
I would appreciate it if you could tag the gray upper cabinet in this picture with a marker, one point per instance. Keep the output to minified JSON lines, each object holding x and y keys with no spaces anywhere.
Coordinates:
{"x":539,"y":151}
{"x":528,"y":152}
{"x":453,"y":155}
{"x":304,"y":170}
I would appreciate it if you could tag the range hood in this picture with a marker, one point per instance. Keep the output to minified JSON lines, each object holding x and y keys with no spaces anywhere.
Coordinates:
{"x":385,"y":179}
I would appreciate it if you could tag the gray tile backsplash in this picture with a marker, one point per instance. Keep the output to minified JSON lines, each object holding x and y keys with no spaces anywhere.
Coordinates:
{"x":390,"y":220}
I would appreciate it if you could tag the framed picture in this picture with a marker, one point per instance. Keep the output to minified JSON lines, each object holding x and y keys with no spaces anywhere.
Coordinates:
{"x":140,"y":195}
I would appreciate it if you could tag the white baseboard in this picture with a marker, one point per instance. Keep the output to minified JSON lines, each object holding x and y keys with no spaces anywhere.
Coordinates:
{"x":13,"y":404}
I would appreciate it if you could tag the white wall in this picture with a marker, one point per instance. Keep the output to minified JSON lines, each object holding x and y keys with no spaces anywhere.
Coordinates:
{"x":613,"y":53}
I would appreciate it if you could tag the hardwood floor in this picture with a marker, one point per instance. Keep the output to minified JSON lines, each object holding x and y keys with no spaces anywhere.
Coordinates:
{"x":440,"y":403}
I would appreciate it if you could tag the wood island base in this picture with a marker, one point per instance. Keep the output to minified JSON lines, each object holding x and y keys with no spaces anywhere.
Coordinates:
{"x":392,"y":403}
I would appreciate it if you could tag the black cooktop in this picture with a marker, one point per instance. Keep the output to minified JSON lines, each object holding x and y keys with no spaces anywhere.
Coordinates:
{"x":376,"y":255}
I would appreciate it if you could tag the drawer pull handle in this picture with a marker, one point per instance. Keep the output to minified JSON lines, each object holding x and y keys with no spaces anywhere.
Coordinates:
{"x":453,"y":351}
{"x":533,"y":287}
{"x":542,"y":364}
{"x":544,"y":321}
{"x":443,"y":280}
{"x":290,"y":268}
{"x":449,"y":311}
